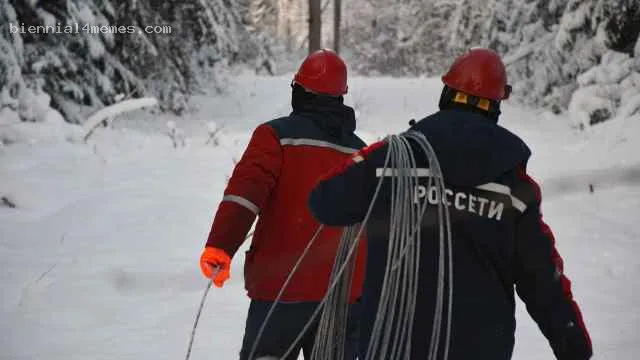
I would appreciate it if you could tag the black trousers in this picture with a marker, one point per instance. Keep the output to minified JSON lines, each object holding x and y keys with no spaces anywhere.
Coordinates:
{"x":284,"y":326}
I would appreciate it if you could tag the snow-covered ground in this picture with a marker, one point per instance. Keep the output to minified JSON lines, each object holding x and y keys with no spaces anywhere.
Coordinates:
{"x":99,"y":259}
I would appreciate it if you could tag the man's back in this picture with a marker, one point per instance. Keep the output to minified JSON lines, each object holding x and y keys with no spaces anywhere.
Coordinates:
{"x":310,"y":144}
{"x":498,"y":239}
{"x":477,"y":159}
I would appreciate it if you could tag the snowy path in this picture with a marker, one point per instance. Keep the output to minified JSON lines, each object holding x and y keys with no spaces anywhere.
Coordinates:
{"x":99,"y":260}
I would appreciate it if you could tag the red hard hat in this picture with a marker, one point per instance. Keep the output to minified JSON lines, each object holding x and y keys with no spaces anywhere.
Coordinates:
{"x":323,"y":72}
{"x":479,"y":72}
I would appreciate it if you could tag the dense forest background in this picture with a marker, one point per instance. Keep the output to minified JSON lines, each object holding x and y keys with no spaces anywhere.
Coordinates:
{"x":576,"y":55}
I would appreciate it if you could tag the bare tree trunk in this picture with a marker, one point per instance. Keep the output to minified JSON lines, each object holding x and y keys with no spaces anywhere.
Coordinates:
{"x":315,"y":25}
{"x":281,"y":22}
{"x":337,"y":19}
{"x":284,"y":23}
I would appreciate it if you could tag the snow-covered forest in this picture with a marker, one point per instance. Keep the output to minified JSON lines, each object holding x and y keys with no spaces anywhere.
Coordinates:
{"x":561,"y":54}
{"x":121,"y":122}
{"x":79,"y":69}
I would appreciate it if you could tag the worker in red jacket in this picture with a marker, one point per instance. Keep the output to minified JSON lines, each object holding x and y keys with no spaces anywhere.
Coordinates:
{"x":272,"y":182}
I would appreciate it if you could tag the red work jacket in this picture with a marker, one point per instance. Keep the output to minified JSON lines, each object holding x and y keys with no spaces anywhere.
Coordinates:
{"x":282,"y":163}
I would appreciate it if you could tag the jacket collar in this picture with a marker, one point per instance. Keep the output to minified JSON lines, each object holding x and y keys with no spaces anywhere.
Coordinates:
{"x":328,"y":112}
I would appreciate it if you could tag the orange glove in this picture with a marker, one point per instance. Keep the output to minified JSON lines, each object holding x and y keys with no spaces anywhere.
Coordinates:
{"x":215,"y":264}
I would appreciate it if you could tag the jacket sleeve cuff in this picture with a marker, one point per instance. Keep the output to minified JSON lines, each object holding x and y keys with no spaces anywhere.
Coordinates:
{"x":230,"y":226}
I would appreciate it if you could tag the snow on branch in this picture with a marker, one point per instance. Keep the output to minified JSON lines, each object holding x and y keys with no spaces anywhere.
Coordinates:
{"x":114,"y":110}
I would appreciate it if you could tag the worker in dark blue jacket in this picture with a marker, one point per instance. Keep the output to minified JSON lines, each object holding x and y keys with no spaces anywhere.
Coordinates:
{"x":500,"y":241}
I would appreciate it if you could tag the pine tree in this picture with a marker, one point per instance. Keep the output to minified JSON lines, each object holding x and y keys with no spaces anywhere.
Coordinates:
{"x":263,"y":14}
{"x":468,"y":23}
{"x":398,"y":37}
{"x":11,"y":58}
{"x":548,"y":44}
{"x":86,"y":68}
